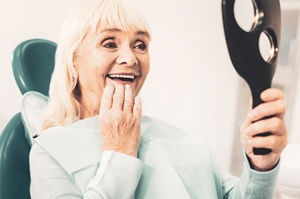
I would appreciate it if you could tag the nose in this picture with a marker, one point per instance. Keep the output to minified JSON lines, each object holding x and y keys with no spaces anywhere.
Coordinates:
{"x":126,"y":57}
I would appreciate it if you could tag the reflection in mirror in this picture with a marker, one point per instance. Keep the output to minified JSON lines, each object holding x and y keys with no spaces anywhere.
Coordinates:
{"x":266,"y":47}
{"x":245,"y":12}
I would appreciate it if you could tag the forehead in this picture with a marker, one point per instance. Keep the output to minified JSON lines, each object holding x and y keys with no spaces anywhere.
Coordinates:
{"x":120,"y":21}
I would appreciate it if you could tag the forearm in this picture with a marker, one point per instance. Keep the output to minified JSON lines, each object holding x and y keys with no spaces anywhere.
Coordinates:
{"x":254,"y":184}
{"x":117,"y":176}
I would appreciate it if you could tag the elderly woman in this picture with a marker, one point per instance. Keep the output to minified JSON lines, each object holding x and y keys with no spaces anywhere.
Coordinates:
{"x":96,"y":144}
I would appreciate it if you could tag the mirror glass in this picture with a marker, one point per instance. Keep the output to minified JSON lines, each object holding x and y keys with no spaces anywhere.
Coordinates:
{"x":266,"y":46}
{"x":245,"y":14}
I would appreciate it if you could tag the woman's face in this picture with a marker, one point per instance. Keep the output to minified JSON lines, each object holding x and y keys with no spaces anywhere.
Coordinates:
{"x":111,"y":57}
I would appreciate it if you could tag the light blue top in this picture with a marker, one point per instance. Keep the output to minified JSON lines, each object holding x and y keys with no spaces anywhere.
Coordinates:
{"x":67,"y":162}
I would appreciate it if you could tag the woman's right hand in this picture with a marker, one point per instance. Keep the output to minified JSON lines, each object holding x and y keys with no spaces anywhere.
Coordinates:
{"x":120,"y":120}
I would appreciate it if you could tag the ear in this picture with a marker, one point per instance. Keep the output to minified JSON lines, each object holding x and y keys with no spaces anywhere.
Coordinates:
{"x":75,"y":59}
{"x":73,"y":71}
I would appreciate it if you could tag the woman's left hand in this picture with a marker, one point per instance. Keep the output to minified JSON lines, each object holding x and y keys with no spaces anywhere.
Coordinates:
{"x":120,"y":120}
{"x":254,"y":124}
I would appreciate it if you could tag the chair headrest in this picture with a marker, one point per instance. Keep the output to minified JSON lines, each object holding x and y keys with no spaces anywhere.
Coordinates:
{"x":33,"y":64}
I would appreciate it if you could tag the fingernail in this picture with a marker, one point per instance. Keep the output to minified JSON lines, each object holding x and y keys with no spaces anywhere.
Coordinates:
{"x":127,"y":86}
{"x":265,"y":94}
{"x":109,"y":85}
{"x":247,"y":131}
{"x":252,"y":115}
{"x":250,"y":142}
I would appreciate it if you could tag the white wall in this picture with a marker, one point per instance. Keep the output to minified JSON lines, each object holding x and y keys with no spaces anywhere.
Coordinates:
{"x":294,"y":132}
{"x":21,"y":20}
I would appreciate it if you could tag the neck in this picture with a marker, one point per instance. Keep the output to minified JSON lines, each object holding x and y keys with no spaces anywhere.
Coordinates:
{"x":88,"y":113}
{"x":88,"y":108}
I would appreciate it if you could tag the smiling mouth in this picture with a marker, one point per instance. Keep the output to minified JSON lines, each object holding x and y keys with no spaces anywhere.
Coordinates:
{"x":126,"y":78}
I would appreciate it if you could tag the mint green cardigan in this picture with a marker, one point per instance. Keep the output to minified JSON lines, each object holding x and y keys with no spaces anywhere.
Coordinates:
{"x":67,"y":162}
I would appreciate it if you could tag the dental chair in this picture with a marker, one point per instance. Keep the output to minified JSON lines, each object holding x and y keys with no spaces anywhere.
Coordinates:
{"x":33,"y":64}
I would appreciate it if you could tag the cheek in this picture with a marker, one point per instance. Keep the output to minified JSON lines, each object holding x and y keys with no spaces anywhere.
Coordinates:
{"x":88,"y":76}
{"x":145,"y":66}
{"x":89,"y":68}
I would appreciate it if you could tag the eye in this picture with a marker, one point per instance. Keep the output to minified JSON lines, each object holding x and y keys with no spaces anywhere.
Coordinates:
{"x":140,"y":46}
{"x":109,"y":43}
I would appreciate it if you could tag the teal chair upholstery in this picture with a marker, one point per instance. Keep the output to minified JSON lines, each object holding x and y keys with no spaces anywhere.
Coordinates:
{"x":33,"y":64}
{"x":14,"y":169}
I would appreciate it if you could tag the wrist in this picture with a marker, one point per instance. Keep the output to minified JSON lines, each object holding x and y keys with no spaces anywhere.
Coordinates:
{"x":130,"y":152}
{"x":260,"y":169}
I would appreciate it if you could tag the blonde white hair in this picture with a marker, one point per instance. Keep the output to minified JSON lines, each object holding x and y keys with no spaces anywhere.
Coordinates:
{"x":90,"y":15}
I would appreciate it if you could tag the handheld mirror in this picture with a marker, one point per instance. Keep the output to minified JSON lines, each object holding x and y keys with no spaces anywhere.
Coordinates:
{"x":244,"y":47}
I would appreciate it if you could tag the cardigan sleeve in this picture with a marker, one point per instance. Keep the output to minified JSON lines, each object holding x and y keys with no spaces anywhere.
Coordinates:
{"x":116,"y":177}
{"x":252,"y":184}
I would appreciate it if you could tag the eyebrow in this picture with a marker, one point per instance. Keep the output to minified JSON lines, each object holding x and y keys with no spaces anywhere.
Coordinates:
{"x":140,"y":32}
{"x":111,"y":30}
{"x":145,"y":33}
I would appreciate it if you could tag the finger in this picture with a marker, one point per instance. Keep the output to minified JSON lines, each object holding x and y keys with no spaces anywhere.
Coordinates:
{"x":272,"y":108}
{"x":118,"y":97}
{"x":107,"y":97}
{"x":273,"y":125}
{"x":137,"y":108}
{"x":250,"y":104}
{"x":271,"y":94}
{"x":128,"y":99}
{"x":247,"y":121}
{"x":245,"y":124}
{"x":248,"y":149}
{"x":276,"y":143}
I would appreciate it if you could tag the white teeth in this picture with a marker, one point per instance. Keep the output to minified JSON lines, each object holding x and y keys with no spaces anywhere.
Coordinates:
{"x":122,"y":76}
